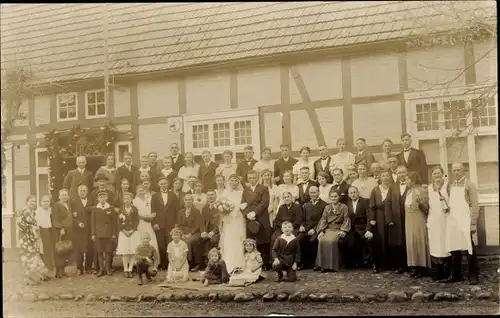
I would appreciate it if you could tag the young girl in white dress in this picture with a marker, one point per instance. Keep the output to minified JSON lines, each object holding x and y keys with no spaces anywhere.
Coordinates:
{"x":142,"y":202}
{"x":252,"y":271}
{"x":129,"y":238}
{"x":177,"y":251}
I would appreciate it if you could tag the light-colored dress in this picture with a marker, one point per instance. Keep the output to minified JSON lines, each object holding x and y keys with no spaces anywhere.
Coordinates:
{"x":417,"y":247}
{"x":200,"y":200}
{"x":299,"y":165}
{"x":144,"y":209}
{"x":111,"y":174}
{"x":273,"y":202}
{"x":185,"y":173}
{"x":324,"y":192}
{"x":219,"y":192}
{"x":342,"y":160}
{"x":365,"y":186}
{"x":233,"y":232}
{"x":436,"y":221}
{"x":247,"y":276}
{"x":292,"y":188}
{"x":264,"y":165}
{"x":226,"y":170}
{"x":177,"y":252}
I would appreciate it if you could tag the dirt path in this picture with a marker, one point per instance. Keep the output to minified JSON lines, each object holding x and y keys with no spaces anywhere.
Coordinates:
{"x":197,"y":309}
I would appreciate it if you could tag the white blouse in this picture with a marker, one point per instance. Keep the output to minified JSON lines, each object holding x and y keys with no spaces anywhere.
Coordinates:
{"x":299,"y":165}
{"x":185,"y":173}
{"x":324,"y":192}
{"x":292,"y":188}
{"x":342,"y":160}
{"x":42,"y":218}
{"x":383,"y":192}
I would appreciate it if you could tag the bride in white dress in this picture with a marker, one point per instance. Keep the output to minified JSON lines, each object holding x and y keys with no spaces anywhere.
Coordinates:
{"x":142,"y":202}
{"x":233,"y":227}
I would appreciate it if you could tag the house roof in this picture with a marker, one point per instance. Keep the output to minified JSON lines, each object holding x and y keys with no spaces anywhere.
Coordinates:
{"x":65,"y":42}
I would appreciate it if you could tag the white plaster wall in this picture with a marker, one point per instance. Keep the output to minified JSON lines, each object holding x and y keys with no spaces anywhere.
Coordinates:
{"x":457,"y":150}
{"x":22,"y":190}
{"x":323,"y":80}
{"x":273,"y":133}
{"x":487,"y":148}
{"x":376,"y":122}
{"x":42,"y":109}
{"x":302,"y":131}
{"x":208,"y":93}
{"x":435,"y":68}
{"x":121,"y":101}
{"x":431,"y":149}
{"x":259,"y":87}
{"x":485,"y":55}
{"x":157,"y":138}
{"x":157,"y":99}
{"x":491,"y":224}
{"x":21,"y":160}
{"x":331,"y":121}
{"x":374,"y":75}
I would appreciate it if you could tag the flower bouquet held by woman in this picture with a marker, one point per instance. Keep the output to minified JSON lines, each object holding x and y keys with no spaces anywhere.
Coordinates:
{"x":224,"y":207}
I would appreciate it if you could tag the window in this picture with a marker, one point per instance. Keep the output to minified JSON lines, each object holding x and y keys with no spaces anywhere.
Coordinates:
{"x":200,"y":136}
{"x":42,"y":172}
{"x":222,"y":134}
{"x":455,"y":115}
{"x":121,"y":148}
{"x":243,"y":132}
{"x":95,"y":104}
{"x":67,"y":105}
{"x":427,"y":117}
{"x":483,"y":112}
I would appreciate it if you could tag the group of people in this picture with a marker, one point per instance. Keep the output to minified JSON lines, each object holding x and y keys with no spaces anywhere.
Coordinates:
{"x":341,"y":211}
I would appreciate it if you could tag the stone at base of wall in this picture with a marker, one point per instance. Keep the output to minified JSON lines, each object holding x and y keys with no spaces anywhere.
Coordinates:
{"x":476,"y":293}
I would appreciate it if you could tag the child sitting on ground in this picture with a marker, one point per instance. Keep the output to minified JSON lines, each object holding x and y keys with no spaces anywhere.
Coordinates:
{"x":216,"y":271}
{"x":129,"y":238}
{"x":253,"y":266}
{"x":177,"y":251}
{"x":145,"y":255}
{"x":286,"y":254}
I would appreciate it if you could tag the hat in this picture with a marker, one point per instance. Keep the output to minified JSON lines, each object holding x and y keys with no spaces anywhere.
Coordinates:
{"x":102,"y":192}
{"x":253,"y":226}
{"x":101,"y":176}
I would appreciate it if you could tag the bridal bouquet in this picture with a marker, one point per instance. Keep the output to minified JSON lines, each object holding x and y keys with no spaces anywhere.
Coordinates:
{"x":224,"y":206}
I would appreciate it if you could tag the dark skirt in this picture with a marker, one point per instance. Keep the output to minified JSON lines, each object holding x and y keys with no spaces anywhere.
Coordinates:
{"x":104,"y":245}
{"x":328,"y":256}
{"x":49,"y":238}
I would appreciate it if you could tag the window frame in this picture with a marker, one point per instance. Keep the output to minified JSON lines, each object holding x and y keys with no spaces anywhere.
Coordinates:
{"x":230,"y":117}
{"x":40,"y":171}
{"x":58,"y":96}
{"x":95,"y":91}
{"x":117,"y":151}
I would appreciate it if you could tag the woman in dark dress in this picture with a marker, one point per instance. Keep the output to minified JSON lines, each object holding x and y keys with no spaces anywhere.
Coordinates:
{"x":124,"y":188}
{"x":377,"y":205}
{"x":177,"y":190}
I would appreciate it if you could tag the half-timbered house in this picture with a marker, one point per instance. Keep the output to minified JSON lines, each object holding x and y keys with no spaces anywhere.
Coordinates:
{"x":226,"y":75}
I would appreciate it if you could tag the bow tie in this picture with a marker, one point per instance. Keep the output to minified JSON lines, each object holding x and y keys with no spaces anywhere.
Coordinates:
{"x":407,"y":150}
{"x":403,"y":184}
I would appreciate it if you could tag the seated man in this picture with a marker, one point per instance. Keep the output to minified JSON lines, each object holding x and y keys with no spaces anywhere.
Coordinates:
{"x":210,"y":227}
{"x":289,"y":211}
{"x":189,"y":221}
{"x":311,"y":214}
{"x":361,"y":243}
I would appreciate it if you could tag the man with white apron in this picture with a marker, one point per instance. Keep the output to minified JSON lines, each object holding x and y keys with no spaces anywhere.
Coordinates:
{"x":461,"y":225}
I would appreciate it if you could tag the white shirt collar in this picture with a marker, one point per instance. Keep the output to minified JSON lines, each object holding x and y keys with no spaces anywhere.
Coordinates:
{"x":145,"y":169}
{"x":81,"y":170}
{"x":167,"y":171}
{"x":106,"y":205}
{"x":112,"y":169}
{"x":288,"y":238}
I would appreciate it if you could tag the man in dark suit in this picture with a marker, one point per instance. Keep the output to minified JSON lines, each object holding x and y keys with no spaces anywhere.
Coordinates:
{"x":177,"y":158}
{"x":413,"y":159}
{"x":62,"y":224}
{"x":256,"y":197}
{"x":304,"y":185}
{"x":126,"y":171}
{"x":283,"y":164}
{"x":363,"y":155}
{"x":245,"y":165}
{"x":340,"y":185}
{"x":395,"y":219}
{"x":307,"y":237}
{"x":323,"y":164}
{"x":361,"y":240}
{"x":392,"y":163}
{"x":101,"y":180}
{"x":77,"y":177}
{"x":207,"y":172}
{"x":189,"y":221}
{"x":164,"y":205}
{"x":82,"y":212}
{"x":210,"y":226}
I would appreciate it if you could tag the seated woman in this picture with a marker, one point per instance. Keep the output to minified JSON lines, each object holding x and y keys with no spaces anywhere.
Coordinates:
{"x":289,"y":211}
{"x":253,"y":266}
{"x":189,"y":220}
{"x":334,"y":224}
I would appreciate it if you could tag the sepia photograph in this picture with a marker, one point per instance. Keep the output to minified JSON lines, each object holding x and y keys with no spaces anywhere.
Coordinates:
{"x":195,"y":159}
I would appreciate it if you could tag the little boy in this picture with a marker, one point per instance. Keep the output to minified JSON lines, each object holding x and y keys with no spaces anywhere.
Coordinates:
{"x":104,"y":226}
{"x":145,"y":254}
{"x":286,"y":254}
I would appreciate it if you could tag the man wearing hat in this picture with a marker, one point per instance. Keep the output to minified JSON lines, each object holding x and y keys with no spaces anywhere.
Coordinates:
{"x":104,"y":228}
{"x":101,"y":180}
{"x":256,"y":196}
